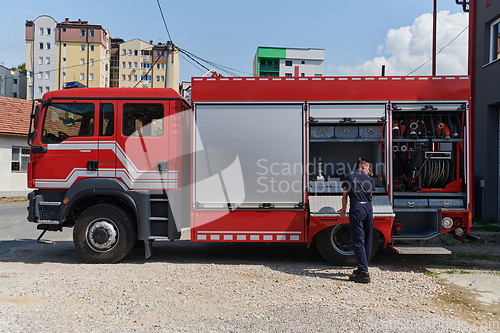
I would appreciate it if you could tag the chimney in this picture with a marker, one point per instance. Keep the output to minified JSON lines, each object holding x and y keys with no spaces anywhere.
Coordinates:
{"x":79,"y":21}
{"x":66,"y":20}
{"x":151,"y":42}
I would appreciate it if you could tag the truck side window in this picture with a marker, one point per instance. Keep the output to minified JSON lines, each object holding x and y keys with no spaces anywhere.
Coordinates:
{"x":65,"y":120}
{"x":143,"y":119}
{"x":106,"y":120}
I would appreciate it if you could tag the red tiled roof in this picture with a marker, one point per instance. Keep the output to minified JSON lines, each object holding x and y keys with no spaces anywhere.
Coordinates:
{"x":14,"y":116}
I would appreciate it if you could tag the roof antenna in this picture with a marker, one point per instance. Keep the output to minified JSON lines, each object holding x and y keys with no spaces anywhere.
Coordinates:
{"x":383,"y":70}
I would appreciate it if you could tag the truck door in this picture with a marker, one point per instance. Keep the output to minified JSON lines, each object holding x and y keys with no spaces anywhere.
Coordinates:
{"x":142,"y":145}
{"x":69,"y":134}
{"x":107,"y":139}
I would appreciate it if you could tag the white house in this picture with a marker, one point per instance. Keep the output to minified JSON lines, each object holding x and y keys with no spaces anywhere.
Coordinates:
{"x":14,"y":149}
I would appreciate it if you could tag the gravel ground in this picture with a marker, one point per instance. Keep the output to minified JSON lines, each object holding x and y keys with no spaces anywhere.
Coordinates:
{"x":221,"y":287}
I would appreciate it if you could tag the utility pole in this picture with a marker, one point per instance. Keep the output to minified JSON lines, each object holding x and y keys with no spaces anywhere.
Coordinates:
{"x":434,"y":33}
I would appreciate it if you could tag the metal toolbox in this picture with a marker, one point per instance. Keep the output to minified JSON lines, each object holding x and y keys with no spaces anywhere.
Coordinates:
{"x":411,"y":203}
{"x":446,"y":203}
{"x":321,"y":132}
{"x":346,"y":132}
{"x":367,"y":132}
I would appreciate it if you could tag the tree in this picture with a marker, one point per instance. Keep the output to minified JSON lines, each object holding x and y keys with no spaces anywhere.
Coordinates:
{"x":21,"y":68}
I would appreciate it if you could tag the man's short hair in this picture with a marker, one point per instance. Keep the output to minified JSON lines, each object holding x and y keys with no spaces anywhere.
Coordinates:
{"x":361,"y":162}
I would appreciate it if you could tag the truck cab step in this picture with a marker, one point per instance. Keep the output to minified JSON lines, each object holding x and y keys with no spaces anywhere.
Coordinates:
{"x":400,"y":249}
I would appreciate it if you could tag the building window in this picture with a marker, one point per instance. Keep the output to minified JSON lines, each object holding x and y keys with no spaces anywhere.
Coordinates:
{"x":302,"y":74}
{"x":123,"y":77}
{"x":48,"y":46}
{"x":40,"y":60}
{"x":495,"y":40}
{"x":47,"y":60}
{"x":82,"y":62}
{"x":162,"y":78}
{"x":47,"y":89}
{"x":162,"y":66}
{"x":64,"y":29}
{"x":124,"y":52}
{"x":91,"y":32}
{"x":157,"y":78}
{"x":15,"y":81}
{"x":82,"y":47}
{"x":40,"y":90}
{"x":40,"y":76}
{"x":135,"y":65}
{"x":129,"y":77}
{"x":123,"y":64}
{"x":47,"y":75}
{"x":91,"y":48}
{"x":157,"y":66}
{"x":136,"y":53}
{"x":91,"y":77}
{"x":20,"y":159}
{"x":129,"y":64}
{"x":48,"y":31}
{"x":302,"y":62}
{"x":135,"y":77}
{"x":15,"y":95}
{"x":82,"y":33}
{"x":91,"y":62}
{"x":129,"y":52}
{"x":41,"y":46}
{"x":82,"y":76}
{"x":288,"y":63}
{"x":41,"y":31}
{"x":288,"y":74}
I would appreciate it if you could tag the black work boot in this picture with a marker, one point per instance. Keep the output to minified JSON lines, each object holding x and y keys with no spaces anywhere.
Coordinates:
{"x":362,"y":277}
{"x":354,"y":274}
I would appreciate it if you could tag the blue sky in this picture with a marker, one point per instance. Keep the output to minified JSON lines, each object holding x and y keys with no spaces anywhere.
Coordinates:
{"x":358,"y":35}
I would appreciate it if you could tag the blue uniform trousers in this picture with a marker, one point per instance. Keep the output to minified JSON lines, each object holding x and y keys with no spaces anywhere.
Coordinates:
{"x":361,"y":227}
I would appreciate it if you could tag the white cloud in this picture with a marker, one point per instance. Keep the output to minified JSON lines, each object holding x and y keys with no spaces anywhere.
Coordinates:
{"x":407,"y":48}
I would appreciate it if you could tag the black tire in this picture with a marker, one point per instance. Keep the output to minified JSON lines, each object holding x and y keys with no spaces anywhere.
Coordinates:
{"x":104,"y":234}
{"x":335,"y":245}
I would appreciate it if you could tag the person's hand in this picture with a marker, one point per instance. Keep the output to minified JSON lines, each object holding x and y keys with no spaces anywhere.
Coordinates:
{"x":342,"y":213}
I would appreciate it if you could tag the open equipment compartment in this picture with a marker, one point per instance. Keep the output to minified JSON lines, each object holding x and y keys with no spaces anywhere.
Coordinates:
{"x":429,"y":159}
{"x":339,"y":135}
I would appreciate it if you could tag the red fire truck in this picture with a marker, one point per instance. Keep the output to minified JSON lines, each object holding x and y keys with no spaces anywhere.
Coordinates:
{"x":252,"y":160}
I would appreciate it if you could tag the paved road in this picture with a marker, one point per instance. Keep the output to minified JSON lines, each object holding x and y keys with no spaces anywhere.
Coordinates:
{"x":15,"y":230}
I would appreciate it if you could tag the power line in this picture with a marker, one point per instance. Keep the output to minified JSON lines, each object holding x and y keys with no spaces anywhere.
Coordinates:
{"x":153,"y":65}
{"x":425,"y":63}
{"x":164,"y":22}
{"x":191,"y":62}
{"x":11,"y":46}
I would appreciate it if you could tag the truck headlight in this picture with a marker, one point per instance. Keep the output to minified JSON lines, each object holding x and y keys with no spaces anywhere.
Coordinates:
{"x":447,"y":222}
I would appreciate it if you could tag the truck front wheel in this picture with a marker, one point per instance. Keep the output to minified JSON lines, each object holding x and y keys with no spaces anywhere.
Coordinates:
{"x":335,"y":246}
{"x":104,"y":234}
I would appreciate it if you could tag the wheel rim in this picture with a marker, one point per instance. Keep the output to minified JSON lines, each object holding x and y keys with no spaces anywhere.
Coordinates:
{"x":340,"y":238}
{"x":102,"y":235}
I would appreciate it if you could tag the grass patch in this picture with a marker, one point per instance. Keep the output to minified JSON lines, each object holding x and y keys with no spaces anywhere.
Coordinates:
{"x":431,"y":274}
{"x":450,"y":271}
{"x":464,"y":272}
{"x":13,"y":199}
{"x":471,"y":256}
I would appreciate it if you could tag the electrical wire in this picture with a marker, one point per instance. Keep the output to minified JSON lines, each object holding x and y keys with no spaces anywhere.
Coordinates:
{"x":153,"y":65}
{"x":425,"y":63}
{"x":164,"y":22}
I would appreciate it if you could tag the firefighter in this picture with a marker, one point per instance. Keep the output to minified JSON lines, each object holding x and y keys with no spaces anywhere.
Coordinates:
{"x":358,"y":185}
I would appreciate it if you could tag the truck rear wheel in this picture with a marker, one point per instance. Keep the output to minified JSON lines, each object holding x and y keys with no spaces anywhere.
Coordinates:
{"x":104,"y":234}
{"x":335,"y":245}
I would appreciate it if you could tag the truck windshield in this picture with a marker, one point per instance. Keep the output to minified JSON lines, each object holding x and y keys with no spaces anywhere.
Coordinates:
{"x":64,"y":120}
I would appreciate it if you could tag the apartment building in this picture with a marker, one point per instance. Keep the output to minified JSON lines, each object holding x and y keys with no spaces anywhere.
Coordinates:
{"x":69,"y":51}
{"x":279,"y":61}
{"x":12,"y":83}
